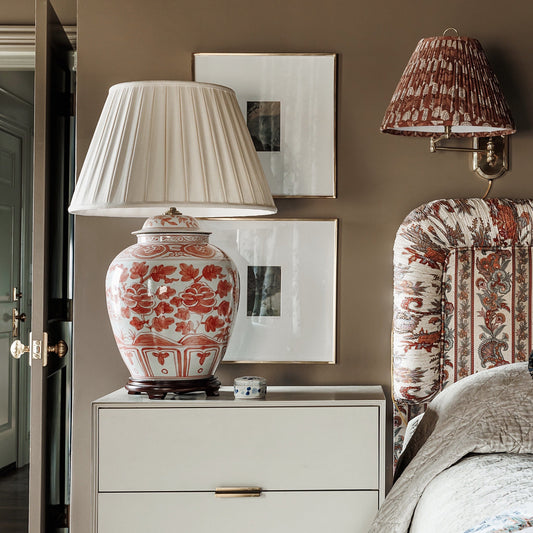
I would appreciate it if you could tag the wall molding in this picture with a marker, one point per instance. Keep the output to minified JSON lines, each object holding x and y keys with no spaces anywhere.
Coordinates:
{"x":17,"y":46}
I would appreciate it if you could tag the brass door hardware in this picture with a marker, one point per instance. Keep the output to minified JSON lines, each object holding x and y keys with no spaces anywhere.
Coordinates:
{"x":60,"y":348}
{"x":15,"y":319}
{"x":39,"y":349}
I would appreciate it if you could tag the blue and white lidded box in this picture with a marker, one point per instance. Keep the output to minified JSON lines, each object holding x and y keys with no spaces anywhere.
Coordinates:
{"x":249,"y":388}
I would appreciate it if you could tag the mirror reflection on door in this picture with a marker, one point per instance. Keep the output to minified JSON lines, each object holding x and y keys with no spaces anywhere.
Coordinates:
{"x":16,"y":154}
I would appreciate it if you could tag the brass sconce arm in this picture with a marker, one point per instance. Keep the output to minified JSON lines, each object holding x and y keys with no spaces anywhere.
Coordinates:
{"x":491,"y":156}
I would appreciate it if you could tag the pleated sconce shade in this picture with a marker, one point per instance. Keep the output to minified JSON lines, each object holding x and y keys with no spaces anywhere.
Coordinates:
{"x":448,"y":82}
{"x":181,"y":144}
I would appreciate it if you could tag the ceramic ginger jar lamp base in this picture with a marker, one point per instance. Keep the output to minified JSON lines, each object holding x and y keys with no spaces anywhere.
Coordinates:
{"x":171,"y":299}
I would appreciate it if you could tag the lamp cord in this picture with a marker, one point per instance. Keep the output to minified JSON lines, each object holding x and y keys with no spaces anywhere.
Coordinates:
{"x":488,"y":190}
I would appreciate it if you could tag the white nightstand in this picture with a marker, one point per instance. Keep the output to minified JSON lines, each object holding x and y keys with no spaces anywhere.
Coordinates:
{"x":313,"y":456}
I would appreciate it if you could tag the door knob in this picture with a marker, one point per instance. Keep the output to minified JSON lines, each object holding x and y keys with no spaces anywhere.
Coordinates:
{"x":17,"y":349}
{"x":60,"y":348}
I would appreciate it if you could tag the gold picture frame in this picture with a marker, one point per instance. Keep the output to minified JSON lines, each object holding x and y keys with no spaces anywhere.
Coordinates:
{"x":289,"y":104}
{"x":296,"y":262}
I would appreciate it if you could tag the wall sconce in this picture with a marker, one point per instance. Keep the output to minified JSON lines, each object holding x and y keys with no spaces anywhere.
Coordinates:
{"x":448,"y":89}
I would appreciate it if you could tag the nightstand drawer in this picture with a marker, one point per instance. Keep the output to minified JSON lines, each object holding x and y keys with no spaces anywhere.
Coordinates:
{"x":275,"y":448}
{"x":280,"y":512}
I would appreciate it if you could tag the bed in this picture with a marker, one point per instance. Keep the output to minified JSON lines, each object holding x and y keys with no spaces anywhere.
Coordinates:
{"x":462,"y":388}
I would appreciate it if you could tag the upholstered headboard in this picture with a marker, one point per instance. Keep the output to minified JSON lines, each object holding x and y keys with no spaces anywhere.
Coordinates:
{"x":462,"y":298}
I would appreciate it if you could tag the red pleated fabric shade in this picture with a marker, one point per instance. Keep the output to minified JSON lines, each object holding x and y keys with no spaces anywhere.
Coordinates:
{"x":448,"y":82}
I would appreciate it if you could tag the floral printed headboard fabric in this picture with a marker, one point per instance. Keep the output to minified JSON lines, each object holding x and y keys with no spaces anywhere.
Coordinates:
{"x":462,"y":299}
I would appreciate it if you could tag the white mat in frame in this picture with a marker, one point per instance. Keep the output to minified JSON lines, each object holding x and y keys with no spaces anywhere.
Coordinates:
{"x":300,"y":283}
{"x":303,"y":87}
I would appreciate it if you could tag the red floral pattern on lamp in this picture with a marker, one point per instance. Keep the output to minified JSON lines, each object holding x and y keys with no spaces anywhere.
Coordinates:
{"x":171,"y":300}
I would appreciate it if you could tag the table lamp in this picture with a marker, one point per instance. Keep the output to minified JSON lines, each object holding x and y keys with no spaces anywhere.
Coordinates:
{"x":171,"y":151}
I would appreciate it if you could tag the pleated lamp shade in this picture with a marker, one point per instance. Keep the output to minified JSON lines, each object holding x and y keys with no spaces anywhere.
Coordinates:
{"x":448,"y":82}
{"x":161,"y":144}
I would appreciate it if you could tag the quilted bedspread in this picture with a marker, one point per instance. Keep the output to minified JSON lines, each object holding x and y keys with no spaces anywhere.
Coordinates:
{"x":480,"y":494}
{"x":490,"y":412}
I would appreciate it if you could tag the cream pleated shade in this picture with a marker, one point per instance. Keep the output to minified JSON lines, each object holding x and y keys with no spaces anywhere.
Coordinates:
{"x":161,"y":144}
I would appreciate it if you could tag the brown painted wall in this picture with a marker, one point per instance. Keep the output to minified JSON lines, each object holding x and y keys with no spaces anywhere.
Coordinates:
{"x":22,"y":12}
{"x":380,"y":177}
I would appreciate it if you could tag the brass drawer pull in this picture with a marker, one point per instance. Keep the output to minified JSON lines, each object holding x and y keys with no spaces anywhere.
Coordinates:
{"x":238,"y":492}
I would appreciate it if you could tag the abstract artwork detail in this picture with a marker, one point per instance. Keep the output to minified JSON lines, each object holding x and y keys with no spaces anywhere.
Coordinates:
{"x":263,"y":121}
{"x":264,"y":291}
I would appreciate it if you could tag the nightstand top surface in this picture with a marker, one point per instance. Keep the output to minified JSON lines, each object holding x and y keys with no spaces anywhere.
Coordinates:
{"x":276,"y":396}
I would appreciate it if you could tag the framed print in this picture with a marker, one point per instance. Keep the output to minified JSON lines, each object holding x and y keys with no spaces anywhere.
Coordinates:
{"x":288,"y":102}
{"x":288,"y":280}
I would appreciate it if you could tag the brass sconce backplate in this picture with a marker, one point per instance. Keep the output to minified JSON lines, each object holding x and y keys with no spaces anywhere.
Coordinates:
{"x":480,"y":164}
